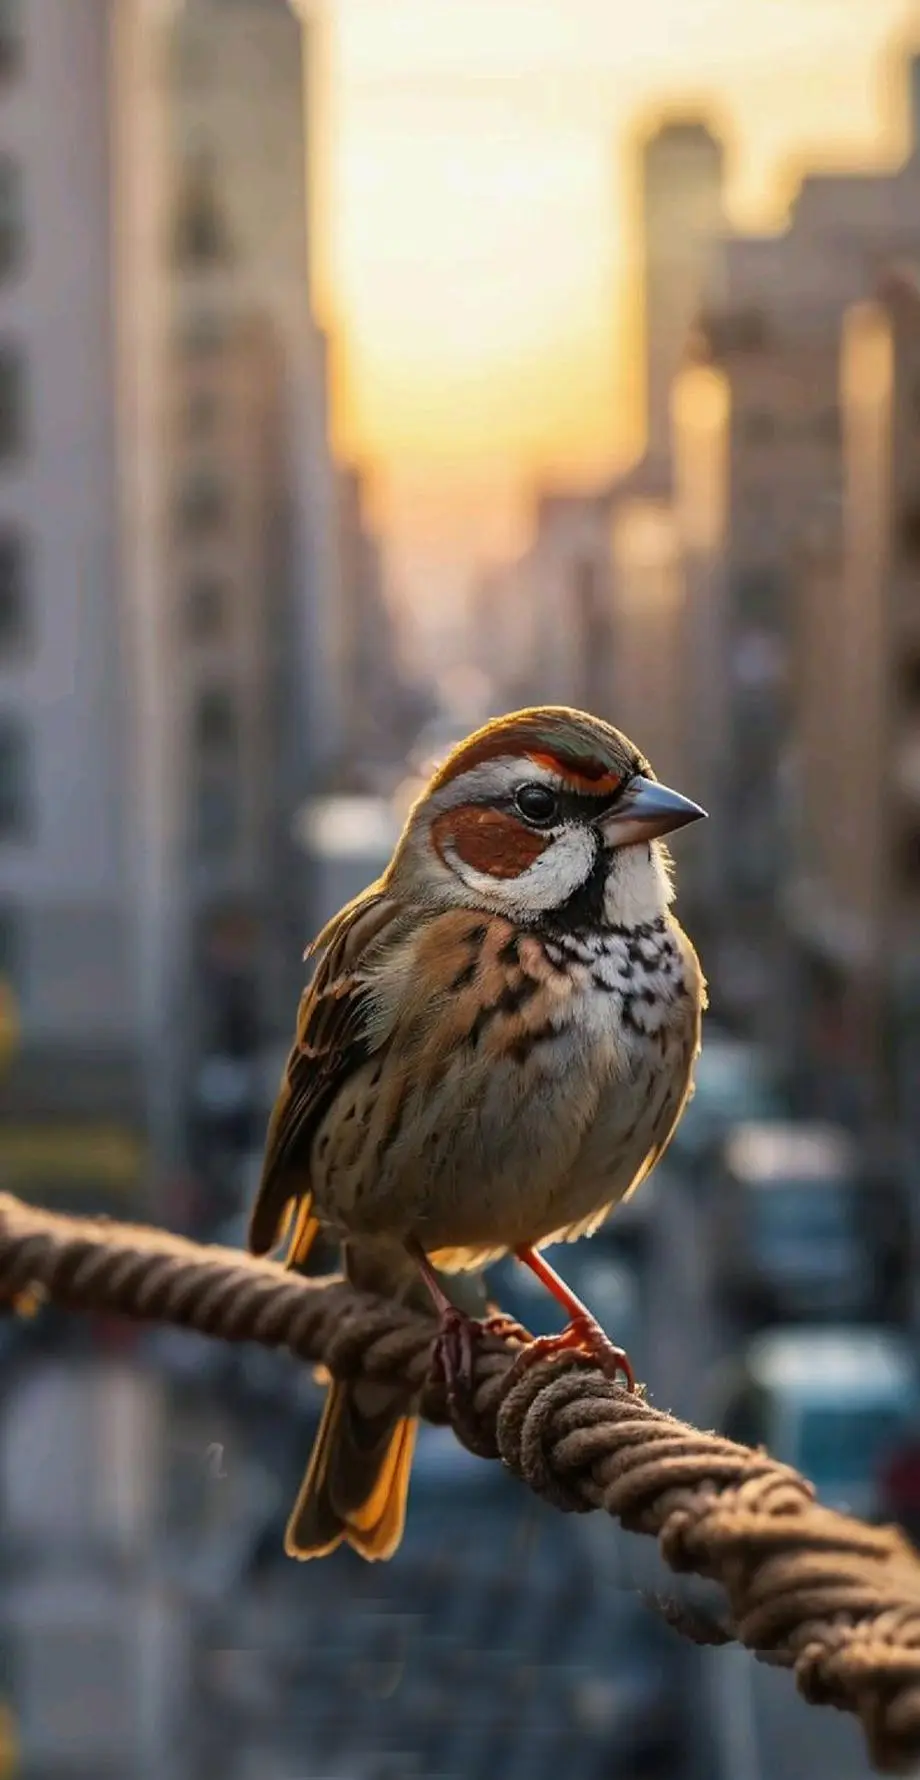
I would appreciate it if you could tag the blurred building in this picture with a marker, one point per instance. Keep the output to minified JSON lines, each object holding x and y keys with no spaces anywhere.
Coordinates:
{"x":73,"y":1106}
{"x":572,"y":601}
{"x":232,"y":623}
{"x":241,"y":128}
{"x":503,"y":632}
{"x":682,"y":176}
{"x":171,"y":656}
{"x":565,"y":572}
{"x":855,"y":901}
{"x":255,"y":708}
{"x":843,"y":228}
{"x":647,"y":677}
{"x":757,"y":447}
{"x":376,"y":725}
{"x":757,"y":456}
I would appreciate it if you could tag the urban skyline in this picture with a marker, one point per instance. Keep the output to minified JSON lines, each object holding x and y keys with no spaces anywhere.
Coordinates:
{"x":478,"y":227}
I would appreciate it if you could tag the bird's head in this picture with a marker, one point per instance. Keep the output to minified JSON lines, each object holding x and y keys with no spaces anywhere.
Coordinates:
{"x":544,"y":812}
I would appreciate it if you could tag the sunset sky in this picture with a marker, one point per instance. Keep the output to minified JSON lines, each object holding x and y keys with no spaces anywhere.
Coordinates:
{"x":476,"y":216}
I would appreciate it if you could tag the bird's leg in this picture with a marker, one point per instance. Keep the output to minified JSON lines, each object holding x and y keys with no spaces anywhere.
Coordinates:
{"x":458,"y":1332}
{"x":583,"y":1334}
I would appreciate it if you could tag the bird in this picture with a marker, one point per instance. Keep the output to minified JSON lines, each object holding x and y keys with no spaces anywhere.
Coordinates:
{"x":494,"y":1050}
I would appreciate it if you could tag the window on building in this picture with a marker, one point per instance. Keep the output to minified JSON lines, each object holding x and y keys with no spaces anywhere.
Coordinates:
{"x":216,"y":817}
{"x":910,"y":859}
{"x":205,"y":608}
{"x":216,"y":727}
{"x":14,"y":614}
{"x":15,"y":779}
{"x":910,"y":533}
{"x":827,"y":426}
{"x":12,"y":401}
{"x":11,"y":36}
{"x":201,"y":413}
{"x":11,"y":945}
{"x":203,"y":333}
{"x":758,"y":426}
{"x":910,"y":679}
{"x":201,"y":235}
{"x":11,"y":215}
{"x":203,"y":504}
{"x":758,"y":595}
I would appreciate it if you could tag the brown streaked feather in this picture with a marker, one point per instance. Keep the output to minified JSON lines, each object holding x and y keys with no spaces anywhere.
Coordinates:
{"x":331,"y":1042}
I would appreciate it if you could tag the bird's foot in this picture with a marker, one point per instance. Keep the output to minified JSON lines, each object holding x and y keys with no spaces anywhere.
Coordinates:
{"x":453,"y":1361}
{"x":582,"y":1335}
{"x":456,"y":1342}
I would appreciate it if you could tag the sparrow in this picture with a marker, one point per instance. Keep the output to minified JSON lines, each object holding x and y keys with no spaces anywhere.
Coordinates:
{"x":494,"y":1051}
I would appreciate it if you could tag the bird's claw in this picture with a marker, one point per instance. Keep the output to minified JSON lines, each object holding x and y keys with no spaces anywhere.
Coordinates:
{"x":452,"y":1358}
{"x":582,"y":1335}
{"x":506,"y":1328}
{"x":455,"y":1345}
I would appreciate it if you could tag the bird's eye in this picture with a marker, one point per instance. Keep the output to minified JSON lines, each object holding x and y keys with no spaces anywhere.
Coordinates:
{"x":537,"y":802}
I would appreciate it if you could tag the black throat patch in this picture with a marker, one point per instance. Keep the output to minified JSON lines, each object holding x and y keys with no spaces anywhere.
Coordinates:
{"x":583,"y":911}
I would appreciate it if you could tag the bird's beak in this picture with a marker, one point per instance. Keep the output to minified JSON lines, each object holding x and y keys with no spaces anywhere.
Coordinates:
{"x":645,"y":811}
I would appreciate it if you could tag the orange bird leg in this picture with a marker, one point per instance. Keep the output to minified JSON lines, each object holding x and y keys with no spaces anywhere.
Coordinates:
{"x":458,"y":1332}
{"x":584,"y":1333}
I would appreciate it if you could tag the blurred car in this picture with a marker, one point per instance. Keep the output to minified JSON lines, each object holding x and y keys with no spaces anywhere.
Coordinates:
{"x":899,"y":1485}
{"x":733,"y":1080}
{"x":833,"y":1402}
{"x":787,"y":1236}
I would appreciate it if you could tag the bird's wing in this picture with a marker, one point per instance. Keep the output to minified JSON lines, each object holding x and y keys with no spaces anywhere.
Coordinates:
{"x":332,"y":1041}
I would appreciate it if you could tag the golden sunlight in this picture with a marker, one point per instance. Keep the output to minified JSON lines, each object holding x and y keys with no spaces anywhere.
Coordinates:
{"x":480,"y":250}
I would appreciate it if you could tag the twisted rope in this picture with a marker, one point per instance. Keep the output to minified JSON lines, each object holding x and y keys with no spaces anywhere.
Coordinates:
{"x":831,"y":1598}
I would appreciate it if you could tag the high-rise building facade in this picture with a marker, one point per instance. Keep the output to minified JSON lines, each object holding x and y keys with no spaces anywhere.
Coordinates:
{"x":70,"y":842}
{"x":682,"y":176}
{"x":170,"y":656}
{"x":854,"y":902}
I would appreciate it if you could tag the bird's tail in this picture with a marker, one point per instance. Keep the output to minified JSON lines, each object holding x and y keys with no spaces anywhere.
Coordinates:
{"x":357,"y":1482}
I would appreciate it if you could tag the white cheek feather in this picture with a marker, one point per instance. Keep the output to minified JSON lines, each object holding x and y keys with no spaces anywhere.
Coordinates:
{"x":549,"y":881}
{"x":639,"y":886}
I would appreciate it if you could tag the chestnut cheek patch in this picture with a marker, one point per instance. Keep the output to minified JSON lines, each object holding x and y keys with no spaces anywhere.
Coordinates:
{"x":489,"y":841}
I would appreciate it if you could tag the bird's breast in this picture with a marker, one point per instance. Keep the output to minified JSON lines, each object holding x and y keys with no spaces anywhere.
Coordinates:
{"x":529,"y":1098}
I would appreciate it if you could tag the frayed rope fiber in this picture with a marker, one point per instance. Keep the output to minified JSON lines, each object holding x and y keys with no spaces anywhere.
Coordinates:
{"x":833,"y":1599}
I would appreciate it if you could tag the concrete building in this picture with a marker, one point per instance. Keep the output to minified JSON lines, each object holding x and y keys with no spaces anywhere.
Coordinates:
{"x":757,"y":474}
{"x":647,"y":682}
{"x":167,"y":542}
{"x":854,"y":903}
{"x":757,"y":445}
{"x":256,"y":622}
{"x":844,"y":227}
{"x":562,"y":592}
{"x":377,"y":727}
{"x":74,"y":355}
{"x":504,"y":633}
{"x":232,"y":624}
{"x":682,"y":174}
{"x":566,"y":575}
{"x":239,"y":130}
